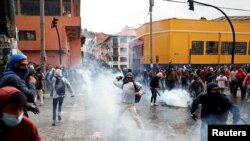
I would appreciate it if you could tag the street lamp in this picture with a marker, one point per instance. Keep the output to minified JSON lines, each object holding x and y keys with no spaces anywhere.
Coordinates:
{"x":54,"y":25}
{"x":151,"y":4}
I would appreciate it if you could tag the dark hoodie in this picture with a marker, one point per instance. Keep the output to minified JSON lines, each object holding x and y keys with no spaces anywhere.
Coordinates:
{"x":24,"y":131}
{"x":13,"y":76}
{"x":215,"y":107}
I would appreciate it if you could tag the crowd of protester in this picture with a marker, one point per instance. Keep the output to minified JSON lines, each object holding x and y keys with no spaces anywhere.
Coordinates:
{"x":195,"y":79}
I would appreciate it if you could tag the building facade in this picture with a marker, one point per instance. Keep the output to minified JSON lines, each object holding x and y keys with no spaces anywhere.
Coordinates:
{"x":115,"y":48}
{"x":188,"y":41}
{"x":69,"y":28}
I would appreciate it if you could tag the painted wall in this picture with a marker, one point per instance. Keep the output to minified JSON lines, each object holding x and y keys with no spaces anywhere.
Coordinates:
{"x":70,"y":46}
{"x":172,"y":39}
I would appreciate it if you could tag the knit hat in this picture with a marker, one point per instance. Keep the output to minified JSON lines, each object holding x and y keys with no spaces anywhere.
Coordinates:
{"x":129,"y":74}
{"x":211,"y":85}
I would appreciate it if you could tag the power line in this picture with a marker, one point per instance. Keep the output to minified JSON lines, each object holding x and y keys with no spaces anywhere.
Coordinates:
{"x":235,"y":9}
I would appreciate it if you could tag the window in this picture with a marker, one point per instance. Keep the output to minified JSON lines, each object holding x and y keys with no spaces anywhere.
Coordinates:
{"x":241,"y":48}
{"x":115,"y":58}
{"x":115,"y":42}
{"x":115,"y":51}
{"x":212,"y":48}
{"x":123,"y":59}
{"x":123,"y":39}
{"x":27,"y":35}
{"x":15,"y":7}
{"x":249,"y":49}
{"x":226,"y":48}
{"x":67,"y":6}
{"x":30,"y":7}
{"x":197,"y":47}
{"x":123,"y":50}
{"x":52,"y":7}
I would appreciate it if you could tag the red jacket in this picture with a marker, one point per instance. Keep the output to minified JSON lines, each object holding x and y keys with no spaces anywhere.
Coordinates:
{"x":246,"y":80}
{"x":25,"y":131}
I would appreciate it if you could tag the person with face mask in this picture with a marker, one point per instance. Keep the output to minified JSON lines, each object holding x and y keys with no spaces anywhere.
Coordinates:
{"x":16,"y":75}
{"x":13,"y":125}
{"x":215,"y":108}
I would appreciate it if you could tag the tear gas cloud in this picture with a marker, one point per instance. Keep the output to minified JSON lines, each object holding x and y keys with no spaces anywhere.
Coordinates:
{"x":102,"y":102}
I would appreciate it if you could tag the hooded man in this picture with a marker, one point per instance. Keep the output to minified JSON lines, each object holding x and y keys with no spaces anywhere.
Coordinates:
{"x":13,"y":125}
{"x":58,"y":91}
{"x":215,"y":109}
{"x":16,"y":75}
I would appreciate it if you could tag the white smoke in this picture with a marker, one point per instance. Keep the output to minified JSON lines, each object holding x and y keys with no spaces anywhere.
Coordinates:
{"x":177,"y":97}
{"x":102,"y":105}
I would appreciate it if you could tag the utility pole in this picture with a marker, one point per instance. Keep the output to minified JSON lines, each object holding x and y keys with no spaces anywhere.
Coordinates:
{"x":42,"y":38}
{"x":151,"y":4}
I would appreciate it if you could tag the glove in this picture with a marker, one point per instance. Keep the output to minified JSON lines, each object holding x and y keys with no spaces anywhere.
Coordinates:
{"x":119,"y":78}
{"x":194,"y":117}
{"x":34,"y":109}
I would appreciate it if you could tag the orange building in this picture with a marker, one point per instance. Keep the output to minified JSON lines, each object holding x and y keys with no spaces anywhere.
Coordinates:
{"x":69,"y":27}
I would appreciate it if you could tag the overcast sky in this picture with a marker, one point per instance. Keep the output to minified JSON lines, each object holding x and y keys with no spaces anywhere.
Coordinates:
{"x":111,"y":16}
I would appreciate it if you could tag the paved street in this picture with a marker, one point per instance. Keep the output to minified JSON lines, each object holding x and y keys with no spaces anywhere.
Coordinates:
{"x":85,"y":121}
{"x":93,"y":115}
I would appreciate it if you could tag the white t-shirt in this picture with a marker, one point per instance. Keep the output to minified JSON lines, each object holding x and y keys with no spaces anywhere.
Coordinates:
{"x":221,"y":80}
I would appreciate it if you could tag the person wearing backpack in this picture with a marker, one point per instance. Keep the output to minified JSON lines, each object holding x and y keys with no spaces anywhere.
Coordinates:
{"x":129,"y":93}
{"x":58,"y":91}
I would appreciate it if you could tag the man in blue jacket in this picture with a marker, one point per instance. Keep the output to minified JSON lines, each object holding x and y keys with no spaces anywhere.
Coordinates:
{"x":16,"y":75}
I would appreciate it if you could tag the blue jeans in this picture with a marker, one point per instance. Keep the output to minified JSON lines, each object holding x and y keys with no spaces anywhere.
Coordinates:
{"x":58,"y":100}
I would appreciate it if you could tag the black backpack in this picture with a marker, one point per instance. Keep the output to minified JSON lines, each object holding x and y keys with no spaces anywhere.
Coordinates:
{"x":60,"y":87}
{"x":137,"y":97}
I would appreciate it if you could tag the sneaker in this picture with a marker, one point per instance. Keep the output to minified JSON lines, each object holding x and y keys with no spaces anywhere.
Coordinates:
{"x":54,"y":123}
{"x":156,"y":104}
{"x":152,"y":104}
{"x":59,"y":117}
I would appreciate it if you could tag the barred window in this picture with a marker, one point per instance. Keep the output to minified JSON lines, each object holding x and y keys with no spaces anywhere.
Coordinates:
{"x":241,"y":48}
{"x":27,"y":35}
{"x":226,"y":48}
{"x":211,"y":48}
{"x":197,"y":47}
